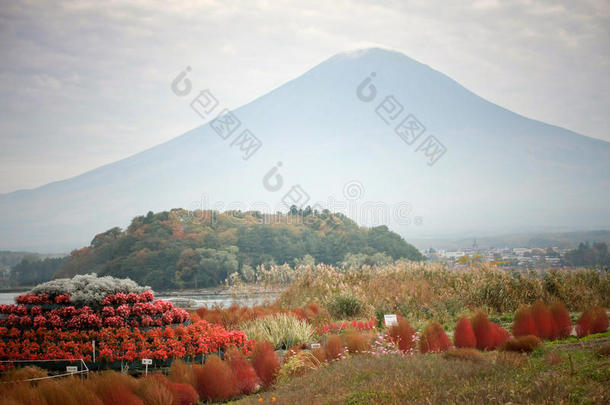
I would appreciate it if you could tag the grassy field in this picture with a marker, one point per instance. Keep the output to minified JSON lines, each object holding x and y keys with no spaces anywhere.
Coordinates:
{"x":421,"y":291}
{"x":571,"y":371}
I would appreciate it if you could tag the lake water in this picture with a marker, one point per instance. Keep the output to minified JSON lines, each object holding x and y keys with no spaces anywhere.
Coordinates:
{"x":194,"y":298}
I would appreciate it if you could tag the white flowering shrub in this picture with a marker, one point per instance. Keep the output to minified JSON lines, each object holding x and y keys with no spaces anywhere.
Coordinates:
{"x":88,"y":289}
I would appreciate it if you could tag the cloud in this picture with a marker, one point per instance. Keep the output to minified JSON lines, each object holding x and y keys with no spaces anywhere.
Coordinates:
{"x":85,"y":78}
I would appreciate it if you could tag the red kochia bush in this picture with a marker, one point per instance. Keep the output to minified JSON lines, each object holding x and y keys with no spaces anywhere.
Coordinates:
{"x":247,"y":380}
{"x":561,"y":316}
{"x":183,"y":394}
{"x":524,"y":324}
{"x":265,"y":363}
{"x":464,"y":336}
{"x":483,"y":330}
{"x":120,"y":394}
{"x":599,"y":322}
{"x":500,"y":334}
{"x":434,"y":339}
{"x":583,"y":327}
{"x":215,"y":380}
{"x":543,"y":320}
{"x":403,"y":335}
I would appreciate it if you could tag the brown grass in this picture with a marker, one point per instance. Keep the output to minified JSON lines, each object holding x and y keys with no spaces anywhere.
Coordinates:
{"x":466,"y":354}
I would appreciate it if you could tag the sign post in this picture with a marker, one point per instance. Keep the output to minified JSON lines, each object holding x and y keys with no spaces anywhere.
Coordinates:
{"x":93,"y":344}
{"x":147,"y":362}
{"x":72,"y":369}
{"x":390,"y":320}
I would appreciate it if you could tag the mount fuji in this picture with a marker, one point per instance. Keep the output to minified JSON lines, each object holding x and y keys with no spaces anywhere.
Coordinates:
{"x":371,"y":133}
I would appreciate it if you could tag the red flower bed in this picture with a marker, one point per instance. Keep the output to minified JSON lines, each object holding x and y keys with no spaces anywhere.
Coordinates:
{"x":40,"y":327}
{"x":358,"y":325}
{"x":119,"y":344}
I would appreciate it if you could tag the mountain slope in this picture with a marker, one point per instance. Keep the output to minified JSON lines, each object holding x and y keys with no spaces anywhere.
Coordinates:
{"x":501,"y":172}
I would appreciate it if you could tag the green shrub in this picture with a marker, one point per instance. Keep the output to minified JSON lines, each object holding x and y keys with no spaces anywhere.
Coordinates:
{"x":343,"y":306}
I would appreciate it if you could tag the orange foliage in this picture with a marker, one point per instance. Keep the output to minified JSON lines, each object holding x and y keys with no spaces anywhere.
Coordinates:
{"x":599,"y":322}
{"x":120,"y":394}
{"x":561,"y":316}
{"x":403,"y":334}
{"x":153,"y":392}
{"x":355,"y":342}
{"x":501,"y":335}
{"x":464,"y":336}
{"x":543,"y":320}
{"x":246,"y":379}
{"x":483,"y":330}
{"x":333,"y":347}
{"x":583,"y":327}
{"x":523,"y":344}
{"x":434,"y":339}
{"x":215,"y":380}
{"x":182,"y":373}
{"x":524,"y":324}
{"x":319,"y":354}
{"x":183,"y":394}
{"x":265,"y":363}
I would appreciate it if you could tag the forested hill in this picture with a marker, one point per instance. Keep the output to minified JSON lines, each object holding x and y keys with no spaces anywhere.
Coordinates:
{"x":183,"y":248}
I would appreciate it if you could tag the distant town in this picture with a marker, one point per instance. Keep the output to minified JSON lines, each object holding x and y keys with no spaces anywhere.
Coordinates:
{"x":513,"y":257}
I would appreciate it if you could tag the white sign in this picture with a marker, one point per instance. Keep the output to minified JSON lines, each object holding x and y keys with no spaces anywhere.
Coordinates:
{"x":72,"y":369}
{"x":315,"y":345}
{"x":147,"y":362}
{"x":390,"y":319}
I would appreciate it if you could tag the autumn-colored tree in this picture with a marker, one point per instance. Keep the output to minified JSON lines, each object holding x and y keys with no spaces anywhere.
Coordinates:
{"x":523,"y":324}
{"x":464,"y":336}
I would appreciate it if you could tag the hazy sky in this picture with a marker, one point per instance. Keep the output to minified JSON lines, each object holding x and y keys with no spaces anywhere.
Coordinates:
{"x":84,"y":83}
